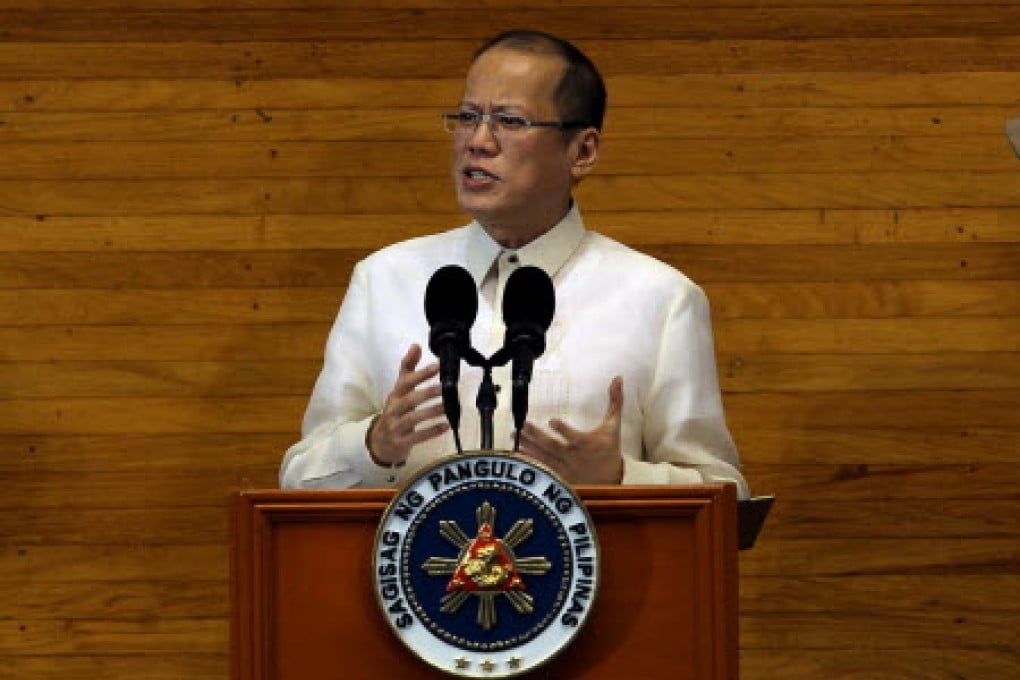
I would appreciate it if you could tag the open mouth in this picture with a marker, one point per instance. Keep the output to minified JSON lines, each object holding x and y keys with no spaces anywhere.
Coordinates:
{"x":479,"y":174}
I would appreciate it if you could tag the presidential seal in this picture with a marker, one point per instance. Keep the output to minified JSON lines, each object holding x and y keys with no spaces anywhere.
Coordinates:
{"x":486,"y":565}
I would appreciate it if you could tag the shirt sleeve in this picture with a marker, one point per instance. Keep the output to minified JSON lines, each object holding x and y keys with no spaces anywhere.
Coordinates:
{"x":332,"y":452}
{"x":684,"y":432}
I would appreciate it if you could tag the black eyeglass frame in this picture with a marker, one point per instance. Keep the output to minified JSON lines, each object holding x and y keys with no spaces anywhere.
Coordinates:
{"x":463,"y":121}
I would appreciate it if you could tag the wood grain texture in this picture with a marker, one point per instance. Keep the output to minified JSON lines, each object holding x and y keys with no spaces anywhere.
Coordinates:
{"x":124,"y":91}
{"x":364,"y":123}
{"x":330,"y":56}
{"x":187,"y":184}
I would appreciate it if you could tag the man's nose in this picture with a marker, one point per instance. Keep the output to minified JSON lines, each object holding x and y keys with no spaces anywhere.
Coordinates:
{"x":483,"y":137}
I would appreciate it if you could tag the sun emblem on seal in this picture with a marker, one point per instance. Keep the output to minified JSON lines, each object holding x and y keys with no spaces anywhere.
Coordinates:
{"x":486,"y":567}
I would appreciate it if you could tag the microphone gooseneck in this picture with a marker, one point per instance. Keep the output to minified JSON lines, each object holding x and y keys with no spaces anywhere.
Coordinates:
{"x":451,"y":304}
{"x":529,"y":303}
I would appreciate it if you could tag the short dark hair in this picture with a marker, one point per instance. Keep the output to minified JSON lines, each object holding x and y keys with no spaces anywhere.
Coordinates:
{"x":581,"y":93}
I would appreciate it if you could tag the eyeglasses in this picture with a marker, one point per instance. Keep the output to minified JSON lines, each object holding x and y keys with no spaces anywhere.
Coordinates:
{"x":461,"y":122}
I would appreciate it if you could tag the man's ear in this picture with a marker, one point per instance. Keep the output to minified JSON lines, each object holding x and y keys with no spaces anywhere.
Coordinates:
{"x":585,"y":148}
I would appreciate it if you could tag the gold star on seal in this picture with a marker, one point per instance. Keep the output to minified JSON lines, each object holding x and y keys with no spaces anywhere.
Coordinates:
{"x":488,"y":666}
{"x":514,"y":662}
{"x":462,"y":663}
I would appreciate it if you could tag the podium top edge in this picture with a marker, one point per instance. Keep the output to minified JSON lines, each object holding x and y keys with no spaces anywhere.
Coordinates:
{"x":594,"y":492}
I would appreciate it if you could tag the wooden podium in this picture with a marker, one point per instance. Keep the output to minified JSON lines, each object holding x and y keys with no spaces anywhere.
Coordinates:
{"x":304,"y":606}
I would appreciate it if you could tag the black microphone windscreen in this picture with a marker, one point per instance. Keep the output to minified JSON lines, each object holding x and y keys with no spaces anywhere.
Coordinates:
{"x":529,"y":298}
{"x":451,"y":296}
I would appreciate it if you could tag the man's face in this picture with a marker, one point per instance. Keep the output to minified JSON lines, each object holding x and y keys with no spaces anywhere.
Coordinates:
{"x":515,"y":183}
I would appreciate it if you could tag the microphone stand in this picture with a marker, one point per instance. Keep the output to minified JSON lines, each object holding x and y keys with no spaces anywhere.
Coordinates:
{"x":487,"y":391}
{"x":486,"y":403}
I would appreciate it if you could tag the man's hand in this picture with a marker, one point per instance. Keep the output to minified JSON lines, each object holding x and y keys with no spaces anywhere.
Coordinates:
{"x":395,"y":431}
{"x":580,"y":457}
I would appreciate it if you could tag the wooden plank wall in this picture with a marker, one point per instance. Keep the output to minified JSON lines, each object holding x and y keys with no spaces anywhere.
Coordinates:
{"x":185,"y":184}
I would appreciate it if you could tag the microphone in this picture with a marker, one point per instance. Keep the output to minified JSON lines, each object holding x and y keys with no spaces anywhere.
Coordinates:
{"x":529,"y":302}
{"x":451,"y":304}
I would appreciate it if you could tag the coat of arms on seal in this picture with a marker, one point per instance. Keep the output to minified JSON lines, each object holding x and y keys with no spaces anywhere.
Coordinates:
{"x":486,"y":565}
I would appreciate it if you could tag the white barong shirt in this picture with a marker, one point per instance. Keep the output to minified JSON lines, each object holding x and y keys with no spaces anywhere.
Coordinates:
{"x":618,"y":312}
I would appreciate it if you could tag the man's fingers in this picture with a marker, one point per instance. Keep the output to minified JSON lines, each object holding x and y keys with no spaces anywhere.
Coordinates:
{"x":421,"y":415}
{"x":406,"y":422}
{"x":409,"y":402}
{"x":427,"y":433}
{"x":532,"y":435}
{"x":615,"y":408}
{"x":408,"y":382}
{"x":566,"y":431}
{"x":411,"y":358}
{"x":537,"y":439}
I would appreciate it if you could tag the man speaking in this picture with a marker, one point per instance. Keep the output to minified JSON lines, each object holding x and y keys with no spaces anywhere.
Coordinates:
{"x":626,"y":390}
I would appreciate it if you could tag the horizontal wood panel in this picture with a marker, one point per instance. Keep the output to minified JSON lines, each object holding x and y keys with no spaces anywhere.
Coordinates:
{"x":480,"y":23}
{"x":370,"y":159}
{"x":893,"y":443}
{"x":822,"y":484}
{"x":135,"y":415}
{"x":116,"y":526}
{"x":787,"y":558}
{"x":169,"y":343}
{"x":185,"y":487}
{"x":814,"y":631}
{"x":48,"y":92}
{"x":872,"y":595}
{"x":793,"y":190}
{"x":743,"y":373}
{"x":307,"y":340}
{"x":850,"y":557}
{"x":125,"y":482}
{"x":819,"y":518}
{"x":415,"y":195}
{"x":105,"y":636}
{"x":222,"y":456}
{"x":55,"y":5}
{"x":237,"y":306}
{"x":928,"y":663}
{"x":862,"y":299}
{"x":422,"y":124}
{"x":872,"y":262}
{"x":130,"y":599}
{"x":665,"y":55}
{"x":206,"y":636}
{"x":799,"y":373}
{"x":157,"y":378}
{"x":142,"y":563}
{"x":932,"y":662}
{"x":808,"y":519}
{"x":210,"y":232}
{"x":257,"y":455}
{"x":300,"y":305}
{"x":820,"y":336}
{"x":125,"y":486}
{"x":197,"y":232}
{"x":892,"y":630}
{"x":215,"y":456}
{"x":963,"y":409}
{"x":153,"y":666}
{"x":877,"y":594}
{"x":706,"y":264}
{"x":273,"y":270}
{"x":924,"y":408}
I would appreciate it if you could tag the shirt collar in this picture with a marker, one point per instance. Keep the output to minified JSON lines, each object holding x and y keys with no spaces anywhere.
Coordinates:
{"x":549,"y":252}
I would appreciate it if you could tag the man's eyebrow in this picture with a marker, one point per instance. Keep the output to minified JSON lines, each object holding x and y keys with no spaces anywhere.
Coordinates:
{"x":498,"y":108}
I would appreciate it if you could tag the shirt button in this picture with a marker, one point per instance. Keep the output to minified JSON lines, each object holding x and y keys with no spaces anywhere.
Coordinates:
{"x":512,"y":259}
{"x":391,"y":479}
